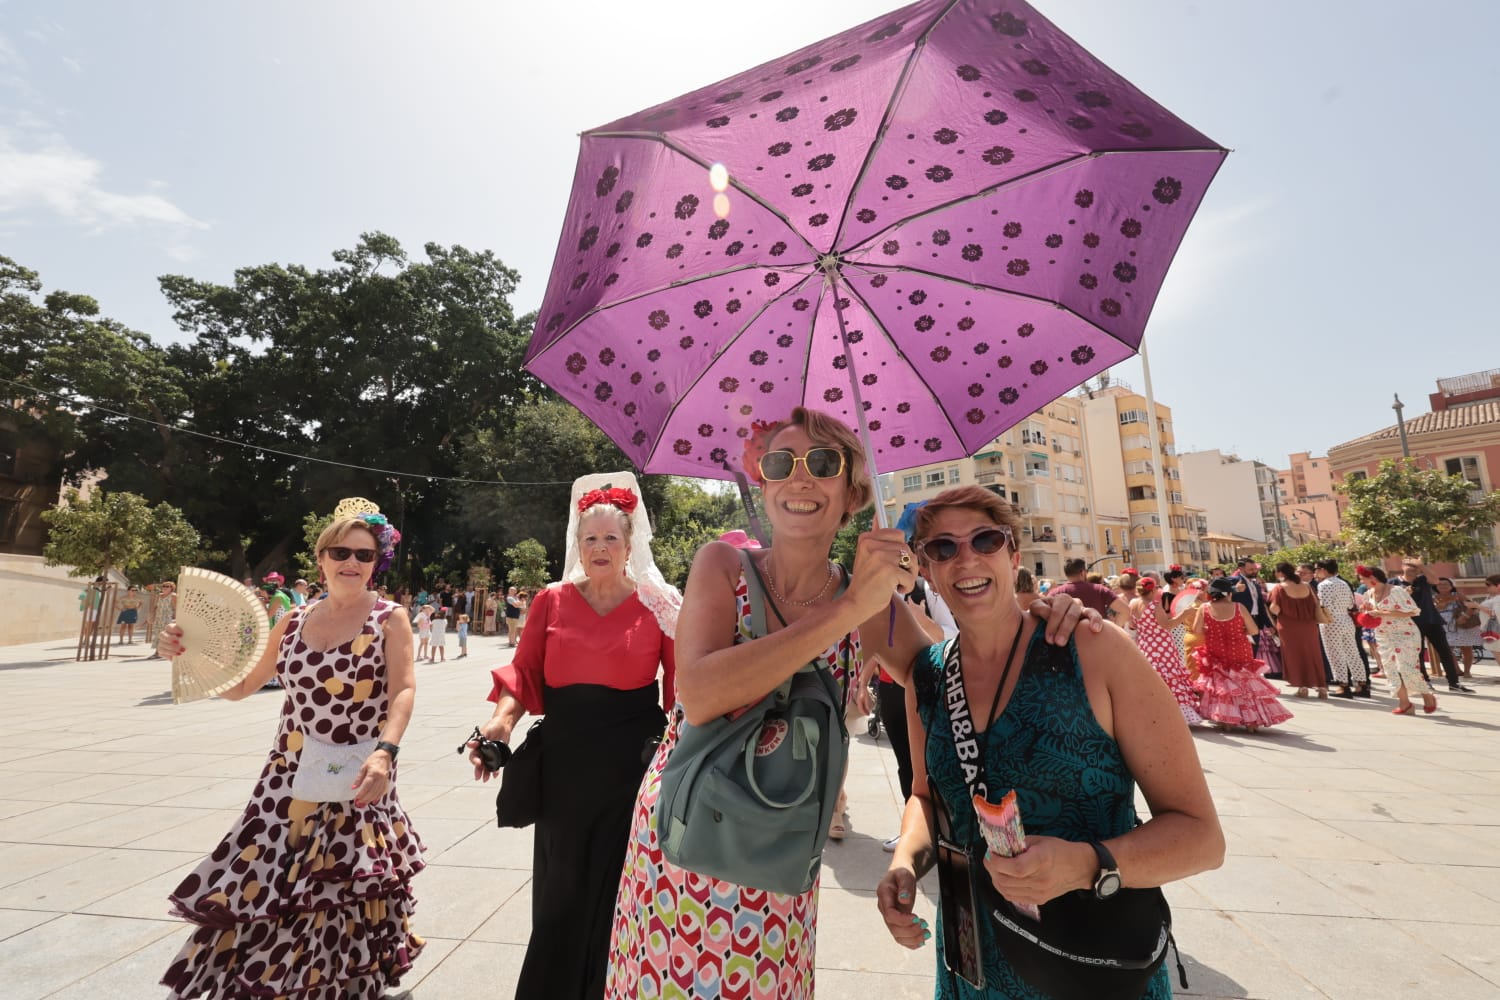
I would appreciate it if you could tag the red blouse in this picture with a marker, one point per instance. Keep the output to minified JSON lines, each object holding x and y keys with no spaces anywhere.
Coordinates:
{"x":567,"y":642}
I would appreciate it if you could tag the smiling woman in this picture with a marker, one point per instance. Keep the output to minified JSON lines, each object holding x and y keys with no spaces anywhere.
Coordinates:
{"x":309,"y":894}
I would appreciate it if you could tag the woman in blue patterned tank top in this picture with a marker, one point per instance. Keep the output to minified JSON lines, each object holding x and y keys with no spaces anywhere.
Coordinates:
{"x":1070,"y":729}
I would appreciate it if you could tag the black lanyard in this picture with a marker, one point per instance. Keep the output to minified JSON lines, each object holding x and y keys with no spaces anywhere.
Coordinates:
{"x":971,"y":753}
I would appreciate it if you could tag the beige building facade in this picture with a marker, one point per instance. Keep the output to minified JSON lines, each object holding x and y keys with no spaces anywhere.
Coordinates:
{"x":1310,"y":507}
{"x":1461,"y":436}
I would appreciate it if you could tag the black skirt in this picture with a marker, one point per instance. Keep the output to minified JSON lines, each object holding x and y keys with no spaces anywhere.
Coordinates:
{"x":591,"y":776}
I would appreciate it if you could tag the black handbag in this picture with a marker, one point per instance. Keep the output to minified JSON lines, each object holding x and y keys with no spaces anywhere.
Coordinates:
{"x":1086,"y":948}
{"x":519,"y":801}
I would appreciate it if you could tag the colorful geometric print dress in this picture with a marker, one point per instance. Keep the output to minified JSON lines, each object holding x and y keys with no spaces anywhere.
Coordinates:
{"x":1166,"y":658}
{"x":309,"y":900}
{"x":679,"y":935}
{"x":1229,"y":678}
{"x":1069,"y":777}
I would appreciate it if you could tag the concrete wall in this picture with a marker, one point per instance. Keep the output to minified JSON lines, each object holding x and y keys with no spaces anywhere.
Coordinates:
{"x":37,"y":603}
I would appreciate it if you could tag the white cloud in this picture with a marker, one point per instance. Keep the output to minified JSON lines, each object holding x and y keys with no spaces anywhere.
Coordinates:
{"x":54,"y":177}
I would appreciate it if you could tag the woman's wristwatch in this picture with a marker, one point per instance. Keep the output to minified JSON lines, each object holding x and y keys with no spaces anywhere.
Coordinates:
{"x":389,"y":748}
{"x":1107,"y":881}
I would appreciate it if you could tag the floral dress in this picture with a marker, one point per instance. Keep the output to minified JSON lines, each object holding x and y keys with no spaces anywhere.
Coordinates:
{"x":1229,"y":677}
{"x":1166,"y":657}
{"x":680,"y":935}
{"x":307,"y":899}
{"x":1400,"y":641}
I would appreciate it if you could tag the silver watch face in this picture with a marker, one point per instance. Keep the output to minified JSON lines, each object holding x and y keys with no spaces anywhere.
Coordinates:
{"x":1108,"y":885}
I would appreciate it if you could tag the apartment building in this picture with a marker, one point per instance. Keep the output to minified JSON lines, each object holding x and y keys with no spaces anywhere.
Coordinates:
{"x":1040,"y":466}
{"x":1309,"y":504}
{"x":1240,"y":496}
{"x":1137,"y":481}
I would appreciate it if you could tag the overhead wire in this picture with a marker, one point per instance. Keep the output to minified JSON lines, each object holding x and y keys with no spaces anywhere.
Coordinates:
{"x":267,"y":450}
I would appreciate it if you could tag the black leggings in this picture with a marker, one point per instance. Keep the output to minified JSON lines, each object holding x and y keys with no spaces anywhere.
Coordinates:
{"x":893,"y":717}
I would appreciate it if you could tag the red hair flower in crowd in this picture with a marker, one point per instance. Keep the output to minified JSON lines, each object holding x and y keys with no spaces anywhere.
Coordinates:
{"x":625,"y":500}
{"x":1146,"y":586}
{"x":756,"y":445}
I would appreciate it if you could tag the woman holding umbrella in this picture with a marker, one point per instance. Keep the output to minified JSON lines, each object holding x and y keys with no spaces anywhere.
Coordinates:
{"x":813,"y":478}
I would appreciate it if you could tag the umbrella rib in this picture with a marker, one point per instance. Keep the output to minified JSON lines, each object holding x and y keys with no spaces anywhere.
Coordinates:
{"x":897,"y":92}
{"x":980,"y":286}
{"x":681,"y":150}
{"x":1026,"y":178}
{"x":679,"y":283}
{"x":682,"y":397}
{"x":875,"y":318}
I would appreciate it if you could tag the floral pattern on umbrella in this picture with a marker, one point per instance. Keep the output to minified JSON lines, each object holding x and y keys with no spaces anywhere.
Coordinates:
{"x":988,"y":209}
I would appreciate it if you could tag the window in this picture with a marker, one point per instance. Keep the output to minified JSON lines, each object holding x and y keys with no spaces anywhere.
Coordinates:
{"x":1031,"y":434}
{"x":1169,"y":449}
{"x":953,"y":475}
{"x":1147,"y":545}
{"x":1037,"y":468}
{"x":1109,"y":538}
{"x":1041,"y":498}
{"x":1467,"y":466}
{"x":935,"y":478}
{"x":1315,"y":465}
{"x":1174,"y":497}
{"x":1138,"y":467}
{"x":1357,"y":474}
{"x":913,"y":482}
{"x":1133,"y":417}
{"x":1069,"y":503}
{"x":1133,"y":441}
{"x":1141,"y":493}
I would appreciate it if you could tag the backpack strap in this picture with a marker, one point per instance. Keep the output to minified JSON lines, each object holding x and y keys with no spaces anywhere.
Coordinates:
{"x":758,"y":603}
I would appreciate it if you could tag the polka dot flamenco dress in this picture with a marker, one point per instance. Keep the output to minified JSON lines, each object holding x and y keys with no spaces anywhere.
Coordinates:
{"x":307,"y":900}
{"x":1166,"y":656}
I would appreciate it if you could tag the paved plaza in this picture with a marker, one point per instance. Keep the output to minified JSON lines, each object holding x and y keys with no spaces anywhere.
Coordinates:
{"x":1364,"y":848}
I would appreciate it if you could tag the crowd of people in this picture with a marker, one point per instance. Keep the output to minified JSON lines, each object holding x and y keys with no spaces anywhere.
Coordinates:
{"x":998,"y":694}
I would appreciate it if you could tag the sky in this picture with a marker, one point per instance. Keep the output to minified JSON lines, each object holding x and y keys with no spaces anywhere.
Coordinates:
{"x":1345,"y":253}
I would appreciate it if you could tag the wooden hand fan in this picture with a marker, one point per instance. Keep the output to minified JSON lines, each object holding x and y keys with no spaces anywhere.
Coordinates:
{"x":224,"y":630}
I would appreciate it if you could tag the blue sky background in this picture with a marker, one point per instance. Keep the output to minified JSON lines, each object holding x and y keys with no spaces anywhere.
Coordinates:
{"x":1346,"y":252}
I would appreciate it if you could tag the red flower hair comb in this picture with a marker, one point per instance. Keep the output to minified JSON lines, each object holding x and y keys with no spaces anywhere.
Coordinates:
{"x":624,"y":499}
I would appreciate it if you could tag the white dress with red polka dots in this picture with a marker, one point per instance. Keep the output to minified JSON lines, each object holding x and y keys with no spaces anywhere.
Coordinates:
{"x":305,"y":899}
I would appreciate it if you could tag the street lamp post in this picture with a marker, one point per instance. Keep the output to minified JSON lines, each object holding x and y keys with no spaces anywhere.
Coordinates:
{"x":1401,"y":426}
{"x":1316,"y":533}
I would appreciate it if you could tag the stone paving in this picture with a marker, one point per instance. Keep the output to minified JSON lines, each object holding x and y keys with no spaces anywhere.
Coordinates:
{"x":1364,"y":849}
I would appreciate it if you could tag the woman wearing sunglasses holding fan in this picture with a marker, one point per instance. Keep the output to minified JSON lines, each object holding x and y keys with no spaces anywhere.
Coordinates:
{"x":813,"y":479}
{"x":1070,"y":730}
{"x":309,"y":894}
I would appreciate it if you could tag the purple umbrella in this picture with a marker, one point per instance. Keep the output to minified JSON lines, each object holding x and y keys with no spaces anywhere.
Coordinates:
{"x":933,"y":225}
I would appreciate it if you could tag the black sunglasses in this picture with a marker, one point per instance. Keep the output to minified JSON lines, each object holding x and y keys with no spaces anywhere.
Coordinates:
{"x":340,"y":553}
{"x":985,"y":541}
{"x":821,"y":463}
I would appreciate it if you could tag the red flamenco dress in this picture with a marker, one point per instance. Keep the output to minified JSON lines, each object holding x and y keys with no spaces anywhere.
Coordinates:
{"x":1229,"y":678}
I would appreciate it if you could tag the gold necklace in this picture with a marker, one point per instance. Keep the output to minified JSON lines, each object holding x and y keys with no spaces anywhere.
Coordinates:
{"x":771,"y":585}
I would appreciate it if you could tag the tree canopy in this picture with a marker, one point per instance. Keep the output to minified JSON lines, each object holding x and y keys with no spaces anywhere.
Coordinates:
{"x":1403,"y":509}
{"x":377,"y":362}
{"x":119,"y":531}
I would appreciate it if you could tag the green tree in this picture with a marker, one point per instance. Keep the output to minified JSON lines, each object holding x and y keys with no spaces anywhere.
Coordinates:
{"x":118,"y":531}
{"x":846,"y":542}
{"x":171,"y":544}
{"x":1312,"y":551}
{"x":313,"y":525}
{"x":688,"y":516}
{"x":528,"y":564}
{"x":1403,"y":509}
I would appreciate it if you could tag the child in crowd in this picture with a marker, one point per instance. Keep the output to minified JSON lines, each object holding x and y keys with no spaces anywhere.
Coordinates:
{"x":439,"y":633}
{"x":424,"y":630}
{"x":463,"y":637}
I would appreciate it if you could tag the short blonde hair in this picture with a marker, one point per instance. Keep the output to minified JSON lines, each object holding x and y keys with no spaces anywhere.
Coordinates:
{"x":975,"y":498}
{"x":828,"y":430}
{"x":336,"y":532}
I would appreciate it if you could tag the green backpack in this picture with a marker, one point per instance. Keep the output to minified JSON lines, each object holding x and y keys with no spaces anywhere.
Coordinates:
{"x":748,"y":800}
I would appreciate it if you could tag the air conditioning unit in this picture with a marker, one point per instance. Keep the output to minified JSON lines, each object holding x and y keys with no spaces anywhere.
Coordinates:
{"x":1083,"y":510}
{"x":1076,"y":453}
